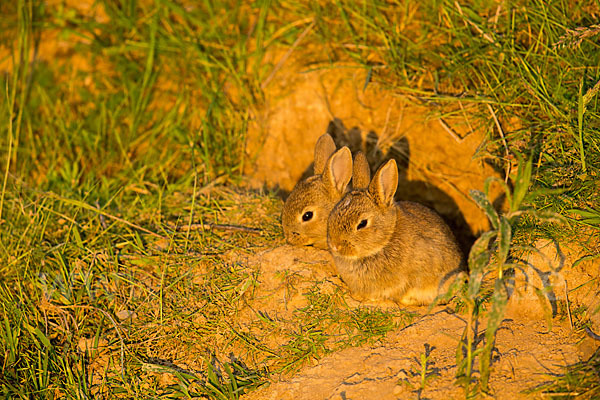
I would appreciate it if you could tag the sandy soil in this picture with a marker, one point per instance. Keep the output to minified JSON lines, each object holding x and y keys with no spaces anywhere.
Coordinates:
{"x":528,"y":351}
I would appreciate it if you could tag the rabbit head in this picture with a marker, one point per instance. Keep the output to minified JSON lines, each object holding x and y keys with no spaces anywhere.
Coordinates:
{"x":363,"y":221}
{"x":305,"y":212}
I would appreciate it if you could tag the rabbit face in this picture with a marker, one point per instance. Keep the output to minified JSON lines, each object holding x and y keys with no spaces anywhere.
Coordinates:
{"x":305,"y":214}
{"x":358,"y":227}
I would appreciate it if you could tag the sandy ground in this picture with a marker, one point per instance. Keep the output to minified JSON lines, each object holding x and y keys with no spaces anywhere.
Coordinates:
{"x":527,"y":352}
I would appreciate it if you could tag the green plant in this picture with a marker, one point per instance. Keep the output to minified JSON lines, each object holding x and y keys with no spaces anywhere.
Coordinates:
{"x":489,"y":260}
{"x":228,"y":382}
{"x":424,"y":372}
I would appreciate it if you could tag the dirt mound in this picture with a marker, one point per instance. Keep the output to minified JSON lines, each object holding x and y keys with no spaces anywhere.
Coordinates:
{"x":286,"y":274}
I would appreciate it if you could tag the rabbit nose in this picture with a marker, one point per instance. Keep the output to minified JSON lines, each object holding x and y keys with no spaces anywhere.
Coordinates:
{"x":292,"y":237}
{"x":288,"y":233}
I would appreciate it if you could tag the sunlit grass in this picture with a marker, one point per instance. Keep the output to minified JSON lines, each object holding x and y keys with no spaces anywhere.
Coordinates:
{"x":122,"y":140}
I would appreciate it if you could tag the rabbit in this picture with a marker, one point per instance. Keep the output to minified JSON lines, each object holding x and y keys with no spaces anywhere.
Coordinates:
{"x":305,"y":212}
{"x":383,"y":250}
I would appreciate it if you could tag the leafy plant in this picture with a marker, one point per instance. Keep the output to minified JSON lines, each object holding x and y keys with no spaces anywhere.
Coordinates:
{"x":489,"y":261}
{"x":422,"y":373}
{"x":228,"y":382}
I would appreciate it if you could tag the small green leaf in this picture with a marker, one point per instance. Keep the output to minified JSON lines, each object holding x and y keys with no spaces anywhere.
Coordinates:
{"x":521,"y":184}
{"x":495,"y":317}
{"x":590,"y":216}
{"x":40,"y":335}
{"x":504,"y":238}
{"x":475,"y":280}
{"x":77,"y":237}
{"x":542,"y":216}
{"x":483,"y":203}
{"x":232,"y":380}
{"x":479,"y":248}
{"x":544,"y":192}
{"x":36,"y":332}
{"x":580,"y":112}
{"x":585,"y":258}
{"x":457,"y":283}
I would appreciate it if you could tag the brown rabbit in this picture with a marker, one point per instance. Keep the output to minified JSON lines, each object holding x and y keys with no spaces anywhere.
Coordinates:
{"x":305,"y":212}
{"x":384,"y":250}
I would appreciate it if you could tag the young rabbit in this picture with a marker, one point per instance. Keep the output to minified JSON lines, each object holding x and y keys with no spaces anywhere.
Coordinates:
{"x":384,"y":250}
{"x":305,"y":212}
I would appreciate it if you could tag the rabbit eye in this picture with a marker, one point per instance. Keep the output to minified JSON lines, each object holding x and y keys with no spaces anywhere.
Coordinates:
{"x":361,"y":224}
{"x":307,"y":216}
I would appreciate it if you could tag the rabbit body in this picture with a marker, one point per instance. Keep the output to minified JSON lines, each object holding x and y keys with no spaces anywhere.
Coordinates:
{"x":384,"y":250}
{"x":405,"y":260}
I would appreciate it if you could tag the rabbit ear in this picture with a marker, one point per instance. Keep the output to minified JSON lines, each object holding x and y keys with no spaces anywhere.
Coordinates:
{"x":384,"y":183}
{"x":323,"y":150}
{"x":361,"y":174}
{"x":338,"y":171}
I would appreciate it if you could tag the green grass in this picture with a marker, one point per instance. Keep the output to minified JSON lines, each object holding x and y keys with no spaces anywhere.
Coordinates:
{"x":579,"y":382}
{"x":136,"y":130}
